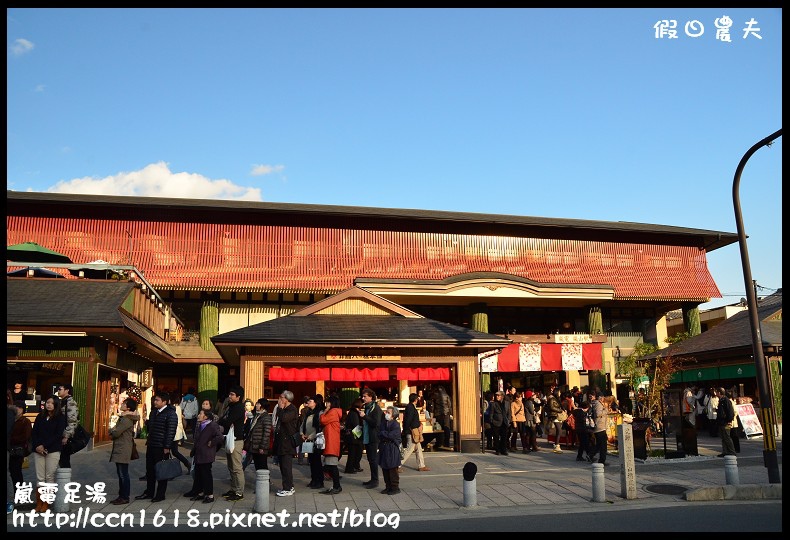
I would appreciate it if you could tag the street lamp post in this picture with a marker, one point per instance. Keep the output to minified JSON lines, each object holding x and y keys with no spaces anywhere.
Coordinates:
{"x":766,"y":407}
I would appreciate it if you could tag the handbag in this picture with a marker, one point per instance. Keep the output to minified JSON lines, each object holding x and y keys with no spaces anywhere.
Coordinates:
{"x":80,"y":439}
{"x":135,"y":454}
{"x":307,"y":447}
{"x":230,"y":440}
{"x":319,"y":441}
{"x":562,"y":416}
{"x":167,"y":469}
{"x":19,"y":451}
{"x":416,"y":434}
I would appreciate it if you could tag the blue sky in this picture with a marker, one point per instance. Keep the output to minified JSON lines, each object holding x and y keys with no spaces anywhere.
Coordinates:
{"x":568,"y":113}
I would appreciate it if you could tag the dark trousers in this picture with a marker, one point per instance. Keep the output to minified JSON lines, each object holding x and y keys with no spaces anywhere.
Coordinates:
{"x":373,"y":463}
{"x":316,"y":468}
{"x":15,"y":469}
{"x":124,"y":484}
{"x":152,"y":457}
{"x":174,"y":452}
{"x":501,"y":436}
{"x":391,"y":478}
{"x":444,"y":421}
{"x":584,"y":443}
{"x":286,"y":470}
{"x":204,"y":479}
{"x":260,"y":461}
{"x":532,"y":438}
{"x":735,"y":435}
{"x":600,"y":445}
{"x":354,"y":458}
{"x":65,"y":456}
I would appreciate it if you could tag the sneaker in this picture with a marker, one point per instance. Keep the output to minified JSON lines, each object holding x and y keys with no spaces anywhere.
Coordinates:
{"x":236,"y":497}
{"x":228,"y":493}
{"x":557,"y":449}
{"x":285,"y":492}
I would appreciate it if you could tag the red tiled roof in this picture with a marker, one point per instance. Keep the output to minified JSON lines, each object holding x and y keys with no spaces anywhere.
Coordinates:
{"x":290,"y":258}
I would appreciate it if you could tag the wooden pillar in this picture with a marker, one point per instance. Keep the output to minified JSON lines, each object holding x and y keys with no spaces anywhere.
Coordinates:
{"x":467,"y":406}
{"x":209,"y":324}
{"x":691,"y":319}
{"x":208,"y":383}
{"x":252,"y":379}
{"x":480,"y":323}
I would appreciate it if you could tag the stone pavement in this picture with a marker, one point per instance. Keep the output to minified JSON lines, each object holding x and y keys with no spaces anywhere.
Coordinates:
{"x":503,"y":483}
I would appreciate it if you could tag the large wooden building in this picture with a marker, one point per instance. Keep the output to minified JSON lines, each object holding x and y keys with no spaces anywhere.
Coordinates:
{"x":318,"y":298}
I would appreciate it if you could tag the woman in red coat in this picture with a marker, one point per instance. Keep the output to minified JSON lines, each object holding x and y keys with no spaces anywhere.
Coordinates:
{"x":330,"y":422}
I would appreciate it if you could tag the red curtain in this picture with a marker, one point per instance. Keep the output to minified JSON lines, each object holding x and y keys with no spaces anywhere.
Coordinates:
{"x":591,"y":356}
{"x":508,"y":358}
{"x":364,"y":374}
{"x":298,"y":374}
{"x":423,"y":374}
{"x":551,"y":357}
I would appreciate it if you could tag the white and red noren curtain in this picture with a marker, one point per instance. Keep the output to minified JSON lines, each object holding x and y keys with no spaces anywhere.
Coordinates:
{"x":544,"y":357}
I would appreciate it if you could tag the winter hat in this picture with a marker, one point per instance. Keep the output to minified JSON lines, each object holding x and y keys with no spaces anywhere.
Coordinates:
{"x":528,"y":395}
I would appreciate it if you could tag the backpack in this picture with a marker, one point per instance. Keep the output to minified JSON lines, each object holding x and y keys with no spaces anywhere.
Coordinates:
{"x":189,"y":409}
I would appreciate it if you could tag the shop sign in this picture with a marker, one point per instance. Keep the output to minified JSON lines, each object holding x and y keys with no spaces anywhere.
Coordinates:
{"x":572,"y":338}
{"x":147,"y":378}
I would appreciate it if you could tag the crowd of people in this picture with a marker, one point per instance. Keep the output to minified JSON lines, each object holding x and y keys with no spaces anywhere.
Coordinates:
{"x":511,"y":416}
{"x":319,"y":429}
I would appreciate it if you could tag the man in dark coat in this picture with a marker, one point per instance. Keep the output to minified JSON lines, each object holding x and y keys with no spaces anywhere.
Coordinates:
{"x":234,"y":415}
{"x":284,"y":444}
{"x":371,"y":415}
{"x":500,"y":422}
{"x":162,"y":424}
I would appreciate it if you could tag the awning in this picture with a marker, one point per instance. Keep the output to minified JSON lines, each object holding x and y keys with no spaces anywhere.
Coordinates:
{"x":519,"y":357}
{"x":737,"y":371}
{"x":423,"y":374}
{"x":298,"y":374}
{"x":700,"y":374}
{"x":364,"y":374}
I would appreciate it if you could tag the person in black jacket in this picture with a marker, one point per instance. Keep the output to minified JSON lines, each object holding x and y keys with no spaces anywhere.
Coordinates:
{"x":235,"y":415}
{"x":286,"y":427}
{"x":500,"y":422}
{"x":353,"y":443}
{"x":371,"y":415}
{"x":411,"y":421}
{"x":162,"y":424}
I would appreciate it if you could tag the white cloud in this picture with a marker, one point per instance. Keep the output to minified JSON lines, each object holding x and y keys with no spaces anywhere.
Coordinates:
{"x":20,"y":47}
{"x":260,"y":170}
{"x":39,"y":88}
{"x":156,"y":180}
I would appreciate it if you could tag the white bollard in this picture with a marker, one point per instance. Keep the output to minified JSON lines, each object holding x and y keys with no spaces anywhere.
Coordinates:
{"x":62,"y":477}
{"x":470,"y":484}
{"x":261,"y":491}
{"x":470,"y":492}
{"x":598,"y":483}
{"x":731,"y":470}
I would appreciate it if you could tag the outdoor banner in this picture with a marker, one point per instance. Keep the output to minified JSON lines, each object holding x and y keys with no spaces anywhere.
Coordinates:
{"x":749,"y":420}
